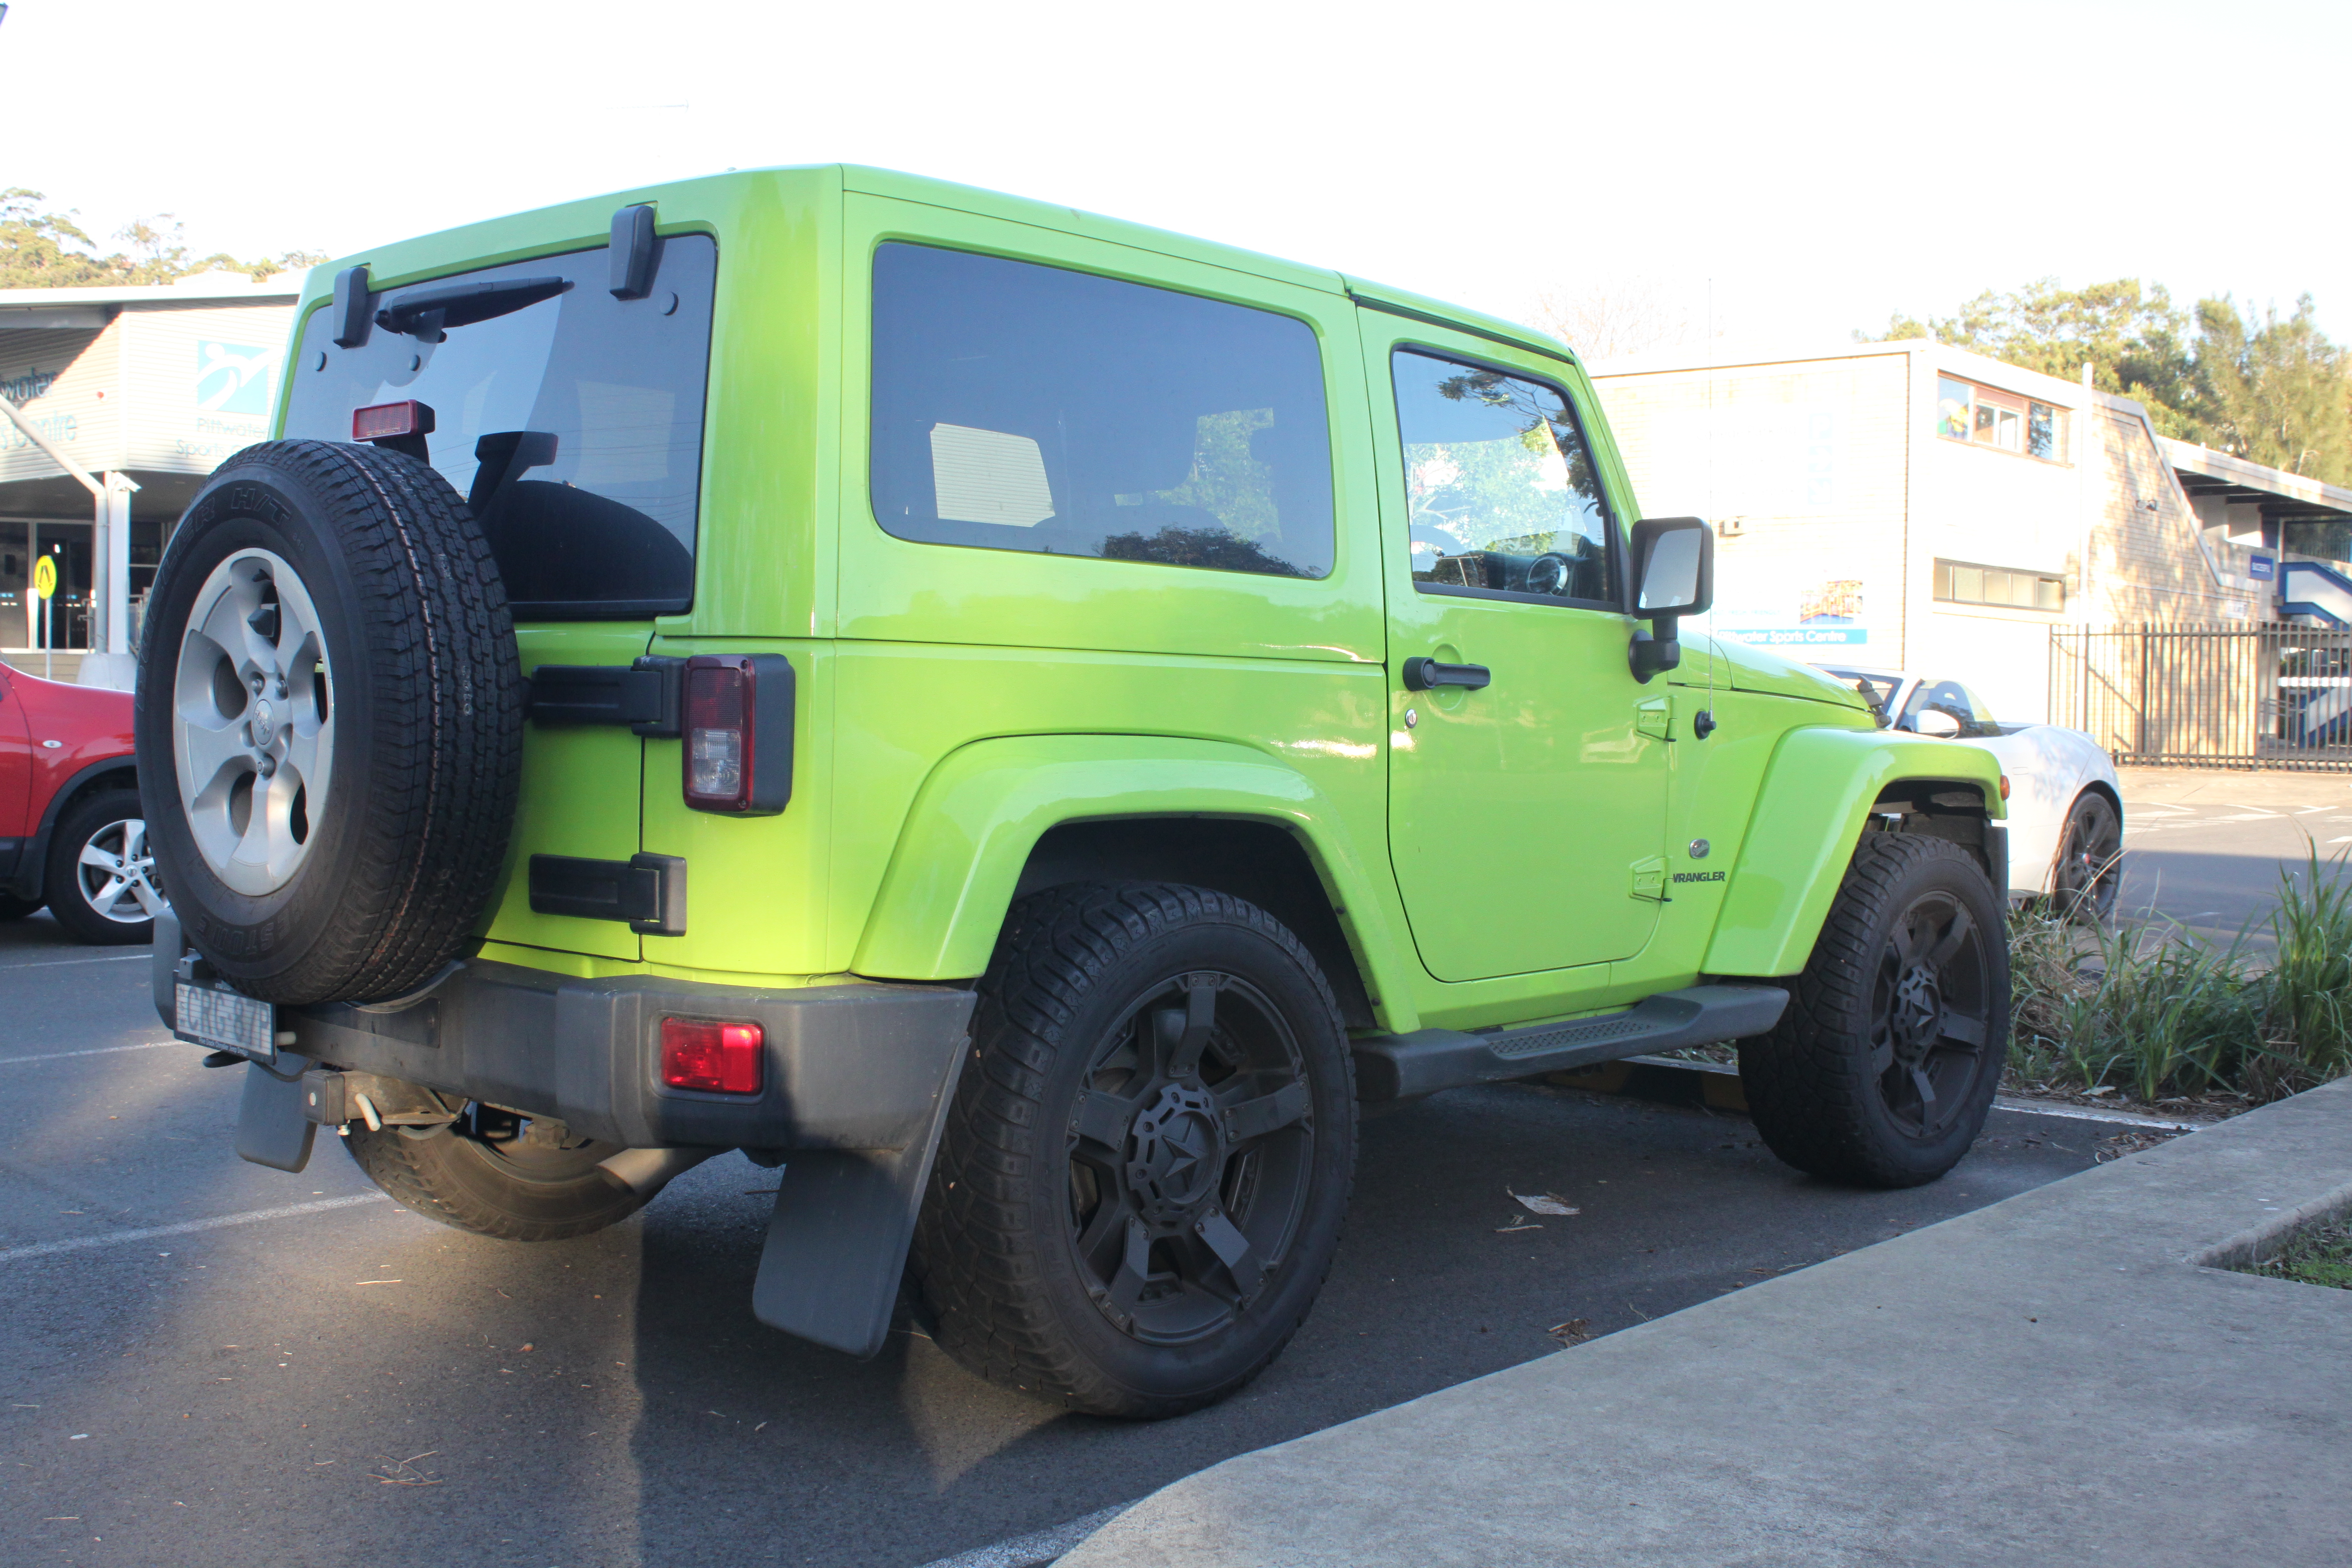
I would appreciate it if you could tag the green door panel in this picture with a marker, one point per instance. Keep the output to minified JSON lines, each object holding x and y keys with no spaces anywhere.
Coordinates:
{"x":1527,"y":820}
{"x":952,"y":876}
{"x":579,"y":796}
{"x":1808,"y":818}
{"x":897,"y":589}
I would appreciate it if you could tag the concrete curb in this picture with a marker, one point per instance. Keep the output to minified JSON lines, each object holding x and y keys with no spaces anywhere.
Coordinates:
{"x":2060,"y":1377}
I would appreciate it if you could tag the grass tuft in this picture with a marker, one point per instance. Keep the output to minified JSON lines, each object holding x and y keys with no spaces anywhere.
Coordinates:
{"x":2159,"y":1011}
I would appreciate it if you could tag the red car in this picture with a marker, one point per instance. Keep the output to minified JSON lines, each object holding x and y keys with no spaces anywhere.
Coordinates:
{"x":71,"y":832}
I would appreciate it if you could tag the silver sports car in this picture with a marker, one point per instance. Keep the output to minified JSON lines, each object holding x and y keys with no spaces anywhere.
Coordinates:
{"x":2065,"y":807}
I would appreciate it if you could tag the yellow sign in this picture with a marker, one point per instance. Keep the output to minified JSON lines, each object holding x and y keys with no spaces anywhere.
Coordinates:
{"x":45,"y":575}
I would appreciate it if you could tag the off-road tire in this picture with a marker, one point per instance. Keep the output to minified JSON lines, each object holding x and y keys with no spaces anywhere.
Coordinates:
{"x":62,"y":879}
{"x":1816,"y":1097}
{"x":427,"y":701}
{"x":995,"y":1256}
{"x":463,"y":1183}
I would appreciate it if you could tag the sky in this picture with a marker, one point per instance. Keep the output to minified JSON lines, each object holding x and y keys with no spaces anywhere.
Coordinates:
{"x":1784,"y":172}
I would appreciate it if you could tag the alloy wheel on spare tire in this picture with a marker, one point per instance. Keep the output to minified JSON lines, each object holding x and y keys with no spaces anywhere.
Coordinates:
{"x":1140,"y":1190}
{"x":328,"y":723}
{"x":1884,"y":1068}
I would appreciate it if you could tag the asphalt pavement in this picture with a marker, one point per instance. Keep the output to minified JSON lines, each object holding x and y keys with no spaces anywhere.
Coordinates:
{"x":210,"y":1362}
{"x":2205,"y":847}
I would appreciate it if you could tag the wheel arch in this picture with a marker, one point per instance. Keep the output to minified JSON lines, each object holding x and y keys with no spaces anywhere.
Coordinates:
{"x":107,"y":772}
{"x":1002,"y":817}
{"x":1796,"y":849}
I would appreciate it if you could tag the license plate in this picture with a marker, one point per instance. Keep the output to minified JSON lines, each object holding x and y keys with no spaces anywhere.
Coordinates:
{"x":225,"y":1020}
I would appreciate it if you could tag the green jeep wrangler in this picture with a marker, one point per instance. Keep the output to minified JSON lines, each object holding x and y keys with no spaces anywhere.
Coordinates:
{"x":1019,"y":722}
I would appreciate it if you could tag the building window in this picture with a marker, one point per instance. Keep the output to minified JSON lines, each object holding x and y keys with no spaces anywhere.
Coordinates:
{"x":1959,"y":583}
{"x":1983,"y":416}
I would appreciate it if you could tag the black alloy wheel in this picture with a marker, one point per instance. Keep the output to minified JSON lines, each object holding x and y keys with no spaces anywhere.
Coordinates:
{"x":1929,"y":1015}
{"x":1884,"y":1068}
{"x":1140,"y":1185}
{"x":2089,"y":860}
{"x":1189,"y":1154}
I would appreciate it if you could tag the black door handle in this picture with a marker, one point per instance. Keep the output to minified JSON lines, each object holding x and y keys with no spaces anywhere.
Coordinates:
{"x":1427,"y":674}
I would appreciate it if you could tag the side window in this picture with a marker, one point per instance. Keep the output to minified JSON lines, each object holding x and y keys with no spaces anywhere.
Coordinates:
{"x":1018,"y":406}
{"x":1947,"y":707}
{"x":1503,"y":495}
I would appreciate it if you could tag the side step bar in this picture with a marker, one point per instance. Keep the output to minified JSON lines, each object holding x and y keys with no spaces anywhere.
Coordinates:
{"x":1401,"y":1067}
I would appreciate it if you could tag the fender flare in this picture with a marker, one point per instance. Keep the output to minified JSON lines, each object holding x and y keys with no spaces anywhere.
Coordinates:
{"x":1796,"y":849}
{"x":33,"y":857}
{"x":975,"y":820}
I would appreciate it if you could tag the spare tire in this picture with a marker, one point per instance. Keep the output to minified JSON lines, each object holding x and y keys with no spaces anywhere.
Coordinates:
{"x":328,"y":723}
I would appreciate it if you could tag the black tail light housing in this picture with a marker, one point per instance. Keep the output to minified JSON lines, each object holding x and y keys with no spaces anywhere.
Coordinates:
{"x":738,"y":733}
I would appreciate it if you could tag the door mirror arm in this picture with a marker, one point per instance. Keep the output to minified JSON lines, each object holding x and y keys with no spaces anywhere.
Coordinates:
{"x":1654,"y":649}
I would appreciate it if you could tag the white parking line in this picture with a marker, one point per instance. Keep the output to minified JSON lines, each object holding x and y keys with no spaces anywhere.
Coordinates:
{"x":189,"y":1227}
{"x":1033,"y":1550}
{"x":93,"y":1051}
{"x":61,"y":962}
{"x":2087,"y":1113}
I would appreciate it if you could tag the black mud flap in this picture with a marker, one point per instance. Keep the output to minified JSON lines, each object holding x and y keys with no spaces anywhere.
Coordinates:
{"x":272,"y":1128}
{"x":837,"y":1238}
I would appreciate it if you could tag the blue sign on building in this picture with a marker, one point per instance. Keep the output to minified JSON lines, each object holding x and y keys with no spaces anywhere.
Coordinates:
{"x":2263,"y":568}
{"x":235,"y":378}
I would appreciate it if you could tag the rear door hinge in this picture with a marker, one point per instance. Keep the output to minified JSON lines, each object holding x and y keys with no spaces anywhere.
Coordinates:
{"x":645,"y":695}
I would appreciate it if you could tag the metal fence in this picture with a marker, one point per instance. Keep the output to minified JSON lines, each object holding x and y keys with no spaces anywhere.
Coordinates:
{"x":2269,"y":696}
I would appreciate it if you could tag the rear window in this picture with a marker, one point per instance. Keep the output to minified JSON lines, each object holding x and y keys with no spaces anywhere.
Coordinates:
{"x":1018,"y":406}
{"x":573,"y":423}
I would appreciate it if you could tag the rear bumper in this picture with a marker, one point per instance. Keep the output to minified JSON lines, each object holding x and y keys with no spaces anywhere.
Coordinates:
{"x":851,"y":1067}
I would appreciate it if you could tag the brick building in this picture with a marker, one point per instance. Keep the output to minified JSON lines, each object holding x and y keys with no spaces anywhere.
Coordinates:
{"x":1910,"y":504}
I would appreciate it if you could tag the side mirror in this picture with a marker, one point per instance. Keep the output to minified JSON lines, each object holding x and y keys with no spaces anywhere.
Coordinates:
{"x":1935,"y":722}
{"x":1674,"y":575}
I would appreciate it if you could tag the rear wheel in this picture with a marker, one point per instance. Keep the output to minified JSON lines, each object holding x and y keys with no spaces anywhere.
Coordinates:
{"x":1140,"y":1187}
{"x":2082,"y":884}
{"x":497,"y":1174}
{"x":100,"y":879}
{"x":1884,"y":1066}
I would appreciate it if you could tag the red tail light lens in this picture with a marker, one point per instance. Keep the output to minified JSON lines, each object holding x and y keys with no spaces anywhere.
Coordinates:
{"x":724,"y":1059}
{"x":736,"y":724}
{"x":718,"y":732}
{"x":388,"y":419}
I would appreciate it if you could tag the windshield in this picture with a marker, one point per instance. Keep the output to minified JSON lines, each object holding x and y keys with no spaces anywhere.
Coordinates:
{"x":1877,"y":686}
{"x":571,"y":420}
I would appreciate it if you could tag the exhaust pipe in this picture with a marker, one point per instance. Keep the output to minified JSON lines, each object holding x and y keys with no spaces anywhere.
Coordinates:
{"x":645,"y":1172}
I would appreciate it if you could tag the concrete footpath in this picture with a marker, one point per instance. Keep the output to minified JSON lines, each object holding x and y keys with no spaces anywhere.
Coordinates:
{"x":2064,"y":1377}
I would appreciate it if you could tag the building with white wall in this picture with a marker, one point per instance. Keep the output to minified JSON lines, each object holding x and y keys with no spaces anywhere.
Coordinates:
{"x":157,"y":384}
{"x":1910,"y":504}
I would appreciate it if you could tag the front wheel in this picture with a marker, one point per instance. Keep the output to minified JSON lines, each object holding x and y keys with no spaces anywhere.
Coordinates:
{"x":1884,"y":1068}
{"x":1141,"y":1185}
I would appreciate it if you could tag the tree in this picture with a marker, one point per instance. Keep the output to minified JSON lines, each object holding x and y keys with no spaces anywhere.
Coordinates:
{"x":2138,"y":343}
{"x":48,"y":251}
{"x":2276,"y":392}
{"x":2270,"y":391}
{"x":1612,"y":317}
